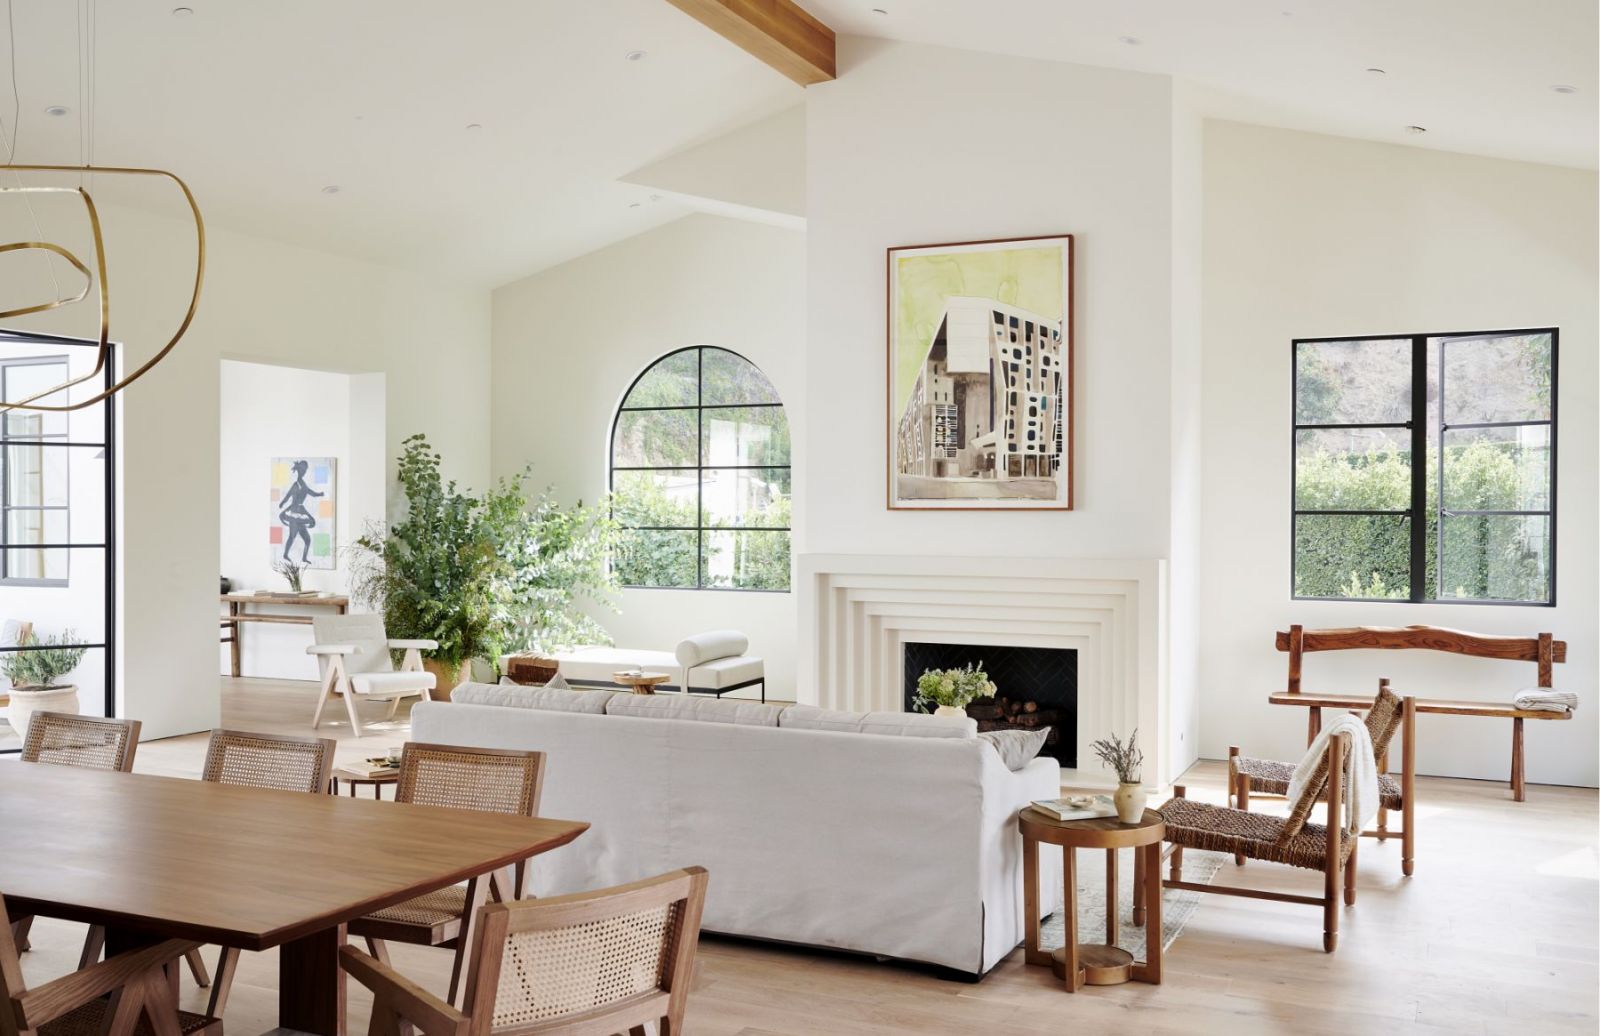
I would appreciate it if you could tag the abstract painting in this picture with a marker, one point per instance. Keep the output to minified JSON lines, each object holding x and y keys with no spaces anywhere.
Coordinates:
{"x":302,"y":525}
{"x":980,"y":375}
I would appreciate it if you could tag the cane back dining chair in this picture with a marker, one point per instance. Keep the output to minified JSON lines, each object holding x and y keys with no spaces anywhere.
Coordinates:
{"x":1388,"y":714}
{"x":488,"y":779}
{"x":1328,"y":848}
{"x":602,"y":962}
{"x":272,"y":761}
{"x":89,"y":743}
{"x":353,"y":654}
{"x":131,"y":992}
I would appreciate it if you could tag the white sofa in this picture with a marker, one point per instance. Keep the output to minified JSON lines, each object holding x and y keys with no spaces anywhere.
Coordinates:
{"x":882,"y":843}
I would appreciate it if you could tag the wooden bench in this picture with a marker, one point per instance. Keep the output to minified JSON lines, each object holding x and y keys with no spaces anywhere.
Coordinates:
{"x":1543,"y":650}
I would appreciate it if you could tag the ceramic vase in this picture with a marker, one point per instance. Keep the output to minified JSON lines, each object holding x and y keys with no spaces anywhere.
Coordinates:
{"x":949,"y":710}
{"x":1129,"y":800}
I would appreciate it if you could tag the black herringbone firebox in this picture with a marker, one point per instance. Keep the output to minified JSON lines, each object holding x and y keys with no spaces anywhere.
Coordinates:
{"x":1034,"y":688}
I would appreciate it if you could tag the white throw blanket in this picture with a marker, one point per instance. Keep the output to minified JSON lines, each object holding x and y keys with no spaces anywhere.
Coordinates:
{"x":1544,"y":699}
{"x":1361,"y":790}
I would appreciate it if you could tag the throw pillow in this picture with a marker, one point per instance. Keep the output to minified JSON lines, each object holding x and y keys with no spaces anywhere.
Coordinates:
{"x":1017,"y":748}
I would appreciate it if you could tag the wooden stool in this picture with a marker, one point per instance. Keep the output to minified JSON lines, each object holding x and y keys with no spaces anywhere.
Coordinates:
{"x":1095,"y":964}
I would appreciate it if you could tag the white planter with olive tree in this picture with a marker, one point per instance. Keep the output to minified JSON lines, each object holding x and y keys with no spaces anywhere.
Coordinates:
{"x":37,"y":671}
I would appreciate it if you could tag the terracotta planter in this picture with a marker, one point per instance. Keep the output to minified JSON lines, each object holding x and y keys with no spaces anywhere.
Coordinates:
{"x":445,"y":677}
{"x":1129,"y":800}
{"x":26,"y":701}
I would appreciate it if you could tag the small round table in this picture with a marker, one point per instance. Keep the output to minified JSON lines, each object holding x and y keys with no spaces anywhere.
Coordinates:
{"x":353,"y":778}
{"x":642,"y":683}
{"x":1096,"y":964}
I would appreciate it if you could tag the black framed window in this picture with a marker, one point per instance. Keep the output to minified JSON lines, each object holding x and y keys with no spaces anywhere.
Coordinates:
{"x":58,"y":562}
{"x":1424,"y":467}
{"x":700,"y":475}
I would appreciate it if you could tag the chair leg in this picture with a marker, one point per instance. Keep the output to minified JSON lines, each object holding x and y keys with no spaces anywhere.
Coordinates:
{"x":1138,"y":887}
{"x":1233,"y":775}
{"x":350,"y":707}
{"x":1350,"y":874}
{"x":394,"y":707}
{"x":379,"y":949}
{"x":222,"y":984}
{"x":197,"y":968}
{"x":322,"y":698}
{"x":1408,"y":837}
{"x":94,"y":943}
{"x":477,"y":894}
{"x":1241,"y":795}
{"x":19,"y":933}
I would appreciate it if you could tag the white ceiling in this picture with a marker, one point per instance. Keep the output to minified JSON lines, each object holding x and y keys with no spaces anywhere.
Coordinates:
{"x":261,"y":104}
{"x":1476,"y":73}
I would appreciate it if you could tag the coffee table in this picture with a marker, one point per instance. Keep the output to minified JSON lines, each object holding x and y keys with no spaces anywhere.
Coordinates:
{"x":1096,"y":964}
{"x":642,"y":683}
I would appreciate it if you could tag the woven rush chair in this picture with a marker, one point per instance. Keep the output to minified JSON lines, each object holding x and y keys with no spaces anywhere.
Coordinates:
{"x":1387,"y":715}
{"x":131,"y":992}
{"x":1327,"y":848}
{"x":600,"y":962}
{"x":487,"y":779}
{"x":272,"y":761}
{"x":89,"y":743}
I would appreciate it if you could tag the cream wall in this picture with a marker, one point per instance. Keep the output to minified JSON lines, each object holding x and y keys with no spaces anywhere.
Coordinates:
{"x":1310,"y":235}
{"x":263,"y":301}
{"x":570,"y":340}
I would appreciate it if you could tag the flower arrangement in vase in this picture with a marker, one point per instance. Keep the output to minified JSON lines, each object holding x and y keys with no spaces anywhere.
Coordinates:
{"x":1126,"y":760}
{"x":945,"y":692}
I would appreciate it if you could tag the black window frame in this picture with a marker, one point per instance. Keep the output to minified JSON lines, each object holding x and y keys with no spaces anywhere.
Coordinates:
{"x":700,"y":467}
{"x":108,"y":444}
{"x":1418,"y":428}
{"x":42,"y":441}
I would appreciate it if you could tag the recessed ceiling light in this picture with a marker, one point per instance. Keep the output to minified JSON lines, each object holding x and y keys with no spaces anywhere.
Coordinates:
{"x":1416,"y":130}
{"x":57,"y":110}
{"x":182,"y":12}
{"x":879,"y":10}
{"x":634,"y":204}
{"x":635,"y":55}
{"x":332,"y":188}
{"x":1563,"y":88}
{"x":1378,"y":71}
{"x":474,"y":125}
{"x":1131,"y":41}
{"x":655,"y":197}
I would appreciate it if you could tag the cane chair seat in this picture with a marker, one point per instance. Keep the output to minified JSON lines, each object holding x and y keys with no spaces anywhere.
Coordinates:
{"x":435,"y":916}
{"x":1201,"y":825}
{"x":90,"y":1020}
{"x":1271,"y":777}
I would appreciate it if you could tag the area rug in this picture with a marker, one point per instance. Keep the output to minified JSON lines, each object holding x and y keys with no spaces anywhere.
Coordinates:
{"x":1177,"y":905}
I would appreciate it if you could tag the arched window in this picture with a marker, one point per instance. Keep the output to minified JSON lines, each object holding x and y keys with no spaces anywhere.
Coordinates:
{"x":700,"y":475}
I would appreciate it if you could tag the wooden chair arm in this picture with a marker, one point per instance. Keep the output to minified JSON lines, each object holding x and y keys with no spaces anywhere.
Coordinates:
{"x":50,"y":1001}
{"x":421,"y":645}
{"x":415,"y":1004}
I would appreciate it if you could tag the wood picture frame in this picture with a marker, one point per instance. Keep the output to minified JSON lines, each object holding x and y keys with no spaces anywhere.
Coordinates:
{"x":979,"y":351}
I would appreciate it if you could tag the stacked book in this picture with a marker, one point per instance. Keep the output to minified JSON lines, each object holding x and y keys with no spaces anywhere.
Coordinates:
{"x":1076,"y":807}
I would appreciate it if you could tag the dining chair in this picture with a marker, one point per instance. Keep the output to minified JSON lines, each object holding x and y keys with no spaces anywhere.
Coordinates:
{"x":272,"y":761}
{"x":352,"y":652}
{"x":130,"y":992}
{"x":609,"y":961}
{"x":89,"y":743}
{"x":488,"y":779}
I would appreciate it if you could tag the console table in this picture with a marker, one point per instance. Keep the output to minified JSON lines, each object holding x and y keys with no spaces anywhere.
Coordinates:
{"x":237,"y":616}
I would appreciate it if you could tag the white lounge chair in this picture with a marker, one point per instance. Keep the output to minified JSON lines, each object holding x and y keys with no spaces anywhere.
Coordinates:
{"x":353,"y":652}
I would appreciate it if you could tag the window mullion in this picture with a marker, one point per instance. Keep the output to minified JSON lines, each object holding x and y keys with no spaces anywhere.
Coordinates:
{"x":1419,"y":467}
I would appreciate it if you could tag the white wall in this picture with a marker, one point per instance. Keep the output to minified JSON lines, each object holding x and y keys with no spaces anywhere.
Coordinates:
{"x":570,"y":340}
{"x":262,"y":301}
{"x":268,"y":412}
{"x":1309,"y":235}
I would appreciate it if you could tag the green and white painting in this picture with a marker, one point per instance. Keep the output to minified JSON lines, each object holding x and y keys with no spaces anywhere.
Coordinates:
{"x":980,"y":375}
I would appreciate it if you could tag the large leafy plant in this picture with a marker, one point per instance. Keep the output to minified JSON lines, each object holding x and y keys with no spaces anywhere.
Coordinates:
{"x":482,"y":575}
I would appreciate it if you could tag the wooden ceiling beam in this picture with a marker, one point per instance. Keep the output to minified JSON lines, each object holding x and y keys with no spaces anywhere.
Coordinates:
{"x":779,"y":32}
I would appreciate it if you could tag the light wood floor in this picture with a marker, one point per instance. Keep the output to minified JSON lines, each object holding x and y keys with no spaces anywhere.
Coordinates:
{"x":1496,"y":933}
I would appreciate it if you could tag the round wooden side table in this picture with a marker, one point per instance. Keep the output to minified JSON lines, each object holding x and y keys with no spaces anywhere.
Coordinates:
{"x":642,"y":683}
{"x":1096,"y":964}
{"x":354,"y":778}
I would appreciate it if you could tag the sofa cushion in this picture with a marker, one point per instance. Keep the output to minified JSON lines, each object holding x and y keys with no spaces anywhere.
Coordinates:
{"x":895,"y":724}
{"x":708,"y":647}
{"x":690,"y":707}
{"x":1017,"y":748}
{"x":549,"y":698}
{"x":726,"y":672}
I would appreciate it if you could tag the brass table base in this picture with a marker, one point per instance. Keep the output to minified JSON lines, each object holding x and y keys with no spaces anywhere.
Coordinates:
{"x":1098,"y":964}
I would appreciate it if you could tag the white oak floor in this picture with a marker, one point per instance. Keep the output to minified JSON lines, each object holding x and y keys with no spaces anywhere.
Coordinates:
{"x":1496,"y":933}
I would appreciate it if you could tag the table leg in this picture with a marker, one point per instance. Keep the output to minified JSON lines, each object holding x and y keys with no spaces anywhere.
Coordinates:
{"x":1111,"y":897}
{"x":1031,"y":953}
{"x":234,"y":608}
{"x":123,"y":940}
{"x":1069,"y":915}
{"x":352,"y":789}
{"x":1519,"y":791}
{"x":1150,"y":970}
{"x":311,"y":986}
{"x":1138,"y":887}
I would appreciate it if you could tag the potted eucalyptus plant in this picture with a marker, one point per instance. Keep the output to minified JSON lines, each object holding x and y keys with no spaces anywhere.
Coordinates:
{"x":1127,"y":761}
{"x":37,"y":675}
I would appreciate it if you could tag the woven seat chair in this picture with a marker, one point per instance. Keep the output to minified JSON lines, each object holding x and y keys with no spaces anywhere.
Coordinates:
{"x":129,"y":993}
{"x":1292,"y":841}
{"x":601,"y":962}
{"x":272,"y":761}
{"x":487,"y":779}
{"x":1387,"y":715}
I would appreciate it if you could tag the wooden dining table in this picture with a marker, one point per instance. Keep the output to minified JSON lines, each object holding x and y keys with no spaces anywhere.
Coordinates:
{"x":153,"y":858}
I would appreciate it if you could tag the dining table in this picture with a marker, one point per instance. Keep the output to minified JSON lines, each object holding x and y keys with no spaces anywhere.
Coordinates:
{"x":154,"y":858}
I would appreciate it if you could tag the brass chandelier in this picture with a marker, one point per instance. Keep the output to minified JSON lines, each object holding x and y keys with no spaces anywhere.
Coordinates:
{"x":95,"y":278}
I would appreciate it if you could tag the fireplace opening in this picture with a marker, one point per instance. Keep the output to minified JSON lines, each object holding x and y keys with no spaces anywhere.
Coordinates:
{"x":1035,"y":688}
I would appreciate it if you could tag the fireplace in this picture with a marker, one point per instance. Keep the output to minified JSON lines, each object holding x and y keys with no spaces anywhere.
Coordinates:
{"x":1035,"y":688}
